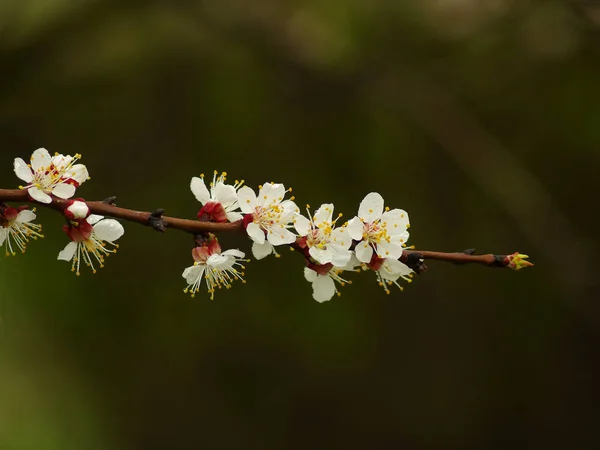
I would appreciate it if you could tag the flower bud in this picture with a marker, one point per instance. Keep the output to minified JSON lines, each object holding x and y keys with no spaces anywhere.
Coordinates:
{"x":517,"y":261}
{"x":77,"y":209}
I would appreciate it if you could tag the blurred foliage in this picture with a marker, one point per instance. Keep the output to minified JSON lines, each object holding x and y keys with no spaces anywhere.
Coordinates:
{"x":480,"y":118}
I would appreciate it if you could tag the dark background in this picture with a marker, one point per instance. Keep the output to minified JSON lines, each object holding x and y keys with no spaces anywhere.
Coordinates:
{"x":480,"y":118}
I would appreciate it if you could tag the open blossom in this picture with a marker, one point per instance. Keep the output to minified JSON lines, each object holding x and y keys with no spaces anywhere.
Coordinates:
{"x":268,"y":217}
{"x":57,"y":175}
{"x":323,"y":279}
{"x":16,"y":228}
{"x":377,"y":231}
{"x":89,"y":239}
{"x":325,"y":243}
{"x":218,"y":268}
{"x":389,"y":271}
{"x":220,"y":203}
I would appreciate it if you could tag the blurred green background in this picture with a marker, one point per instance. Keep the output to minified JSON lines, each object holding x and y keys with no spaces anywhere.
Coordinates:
{"x":481,"y":118}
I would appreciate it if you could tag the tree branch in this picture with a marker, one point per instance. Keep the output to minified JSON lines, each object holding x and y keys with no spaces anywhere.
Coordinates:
{"x":412,"y":258}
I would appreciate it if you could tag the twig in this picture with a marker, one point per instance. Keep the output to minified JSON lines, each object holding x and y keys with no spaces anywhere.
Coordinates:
{"x":412,"y":258}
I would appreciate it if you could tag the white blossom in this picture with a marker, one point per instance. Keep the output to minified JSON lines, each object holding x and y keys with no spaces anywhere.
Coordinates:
{"x":89,"y":239}
{"x":50,"y":175}
{"x":221,"y":194}
{"x":16,"y":228}
{"x":268,"y":217}
{"x":218,"y":269}
{"x":379,"y":231}
{"x":325,"y":243}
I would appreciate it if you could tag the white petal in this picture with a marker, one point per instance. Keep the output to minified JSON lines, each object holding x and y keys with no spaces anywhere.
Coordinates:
{"x":389,"y":250}
{"x":64,"y":190}
{"x":355,"y":228}
{"x":199,"y":190}
{"x":23,"y":171}
{"x":39,"y":195}
{"x":234,"y":252}
{"x":302,"y":225}
{"x":271,"y":193}
{"x":310,"y":275}
{"x":94,"y":218}
{"x":392,"y":269}
{"x":352,"y":264}
{"x":68,"y":252}
{"x":323,"y":288}
{"x":225,"y":194}
{"x":233,"y":216}
{"x":261,"y":251}
{"x":194,"y":273}
{"x":40,"y":159}
{"x":364,"y":252}
{"x":341,"y":238}
{"x":26,"y":216}
{"x":220,"y":261}
{"x":324,"y":213}
{"x":290,"y":211}
{"x":321,"y":255}
{"x":246,"y":199}
{"x":108,"y":230}
{"x":3,"y":234}
{"x":79,"y":173}
{"x":395,"y":221}
{"x":340,"y":257}
{"x":256,"y":233}
{"x":280,"y":236}
{"x":371,"y":208}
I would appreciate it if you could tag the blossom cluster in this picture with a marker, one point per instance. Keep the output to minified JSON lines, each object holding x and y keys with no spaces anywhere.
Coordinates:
{"x":373,"y":240}
{"x":50,"y":178}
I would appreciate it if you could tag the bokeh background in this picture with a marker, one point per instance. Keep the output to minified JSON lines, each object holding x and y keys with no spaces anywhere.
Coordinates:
{"x":481,"y":118}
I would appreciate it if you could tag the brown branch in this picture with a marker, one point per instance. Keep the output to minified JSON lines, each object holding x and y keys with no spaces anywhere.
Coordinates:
{"x":413,"y":258}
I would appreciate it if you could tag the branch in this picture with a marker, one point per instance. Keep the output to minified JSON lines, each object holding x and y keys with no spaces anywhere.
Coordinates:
{"x":412,"y":258}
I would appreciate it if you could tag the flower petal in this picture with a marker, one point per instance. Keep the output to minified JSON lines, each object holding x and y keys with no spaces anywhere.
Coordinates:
{"x":68,"y":252}
{"x":39,"y":195}
{"x":233,"y":216}
{"x":246,"y":199}
{"x":25,"y":216}
{"x":341,"y":237}
{"x":219,"y":261}
{"x":302,"y":225}
{"x":40,"y":159}
{"x":364,"y":252}
{"x":108,"y":230}
{"x":271,"y":193}
{"x":395,"y":221}
{"x":323,"y":288}
{"x":340,"y":257}
{"x":193,"y":273}
{"x":64,"y":190}
{"x":392,"y":269}
{"x":256,"y":233}
{"x":355,"y":228}
{"x":280,"y":236}
{"x":389,"y":249}
{"x":234,"y":252}
{"x":321,"y":255}
{"x":3,"y":234}
{"x":310,"y":275}
{"x":79,"y":173}
{"x":261,"y":251}
{"x":324,"y":213}
{"x":371,"y":208}
{"x":199,"y":190}
{"x":23,"y":171}
{"x":225,"y":194}
{"x":94,"y":218}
